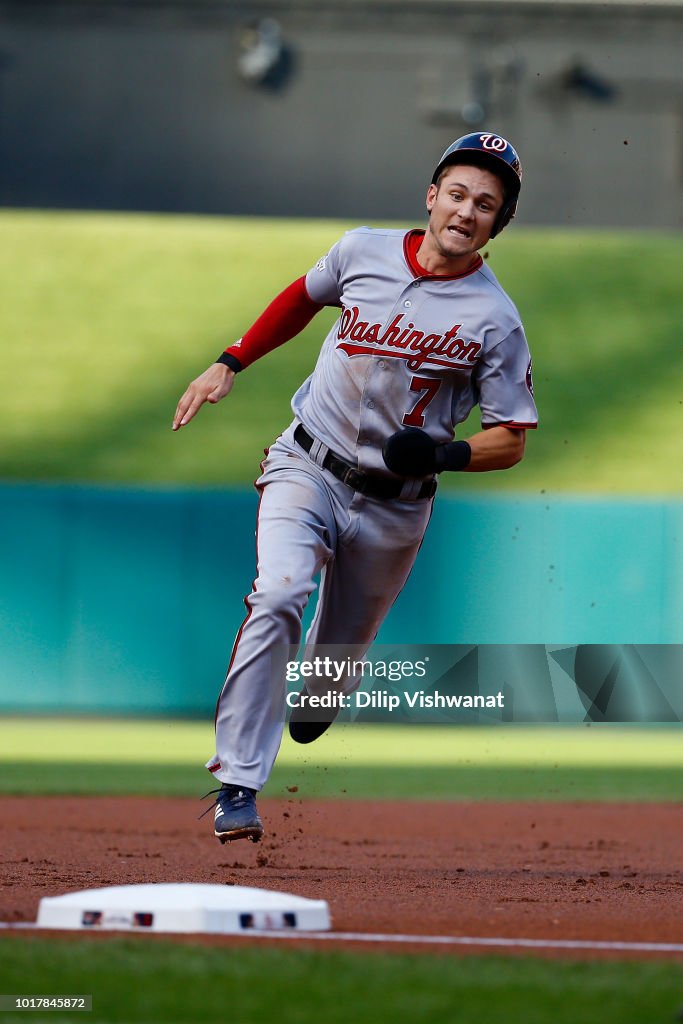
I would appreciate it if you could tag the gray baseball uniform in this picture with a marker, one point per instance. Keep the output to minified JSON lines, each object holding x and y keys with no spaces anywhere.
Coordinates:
{"x":409,"y":349}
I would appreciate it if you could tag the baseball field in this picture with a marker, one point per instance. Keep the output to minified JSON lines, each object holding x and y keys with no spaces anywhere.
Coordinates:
{"x":500,"y":836}
{"x":551,"y":854}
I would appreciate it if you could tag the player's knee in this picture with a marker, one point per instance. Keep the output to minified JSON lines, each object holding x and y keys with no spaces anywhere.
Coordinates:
{"x":281,"y":597}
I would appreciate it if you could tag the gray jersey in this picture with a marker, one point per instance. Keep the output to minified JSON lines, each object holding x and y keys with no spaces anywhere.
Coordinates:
{"x":409,"y":350}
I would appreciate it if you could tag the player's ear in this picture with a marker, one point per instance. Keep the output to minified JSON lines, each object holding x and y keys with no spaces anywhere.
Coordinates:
{"x":431,"y":197}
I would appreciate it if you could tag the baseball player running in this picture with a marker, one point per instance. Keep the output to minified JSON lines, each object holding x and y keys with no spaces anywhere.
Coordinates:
{"x":425,"y":333}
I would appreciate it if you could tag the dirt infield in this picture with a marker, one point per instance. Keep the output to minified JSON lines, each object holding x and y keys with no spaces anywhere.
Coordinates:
{"x":535,"y":870}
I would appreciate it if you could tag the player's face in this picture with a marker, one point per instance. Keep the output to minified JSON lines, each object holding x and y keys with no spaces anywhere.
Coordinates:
{"x":462,"y":213}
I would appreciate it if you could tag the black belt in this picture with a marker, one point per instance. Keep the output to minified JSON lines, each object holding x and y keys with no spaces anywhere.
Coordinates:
{"x":365,"y":483}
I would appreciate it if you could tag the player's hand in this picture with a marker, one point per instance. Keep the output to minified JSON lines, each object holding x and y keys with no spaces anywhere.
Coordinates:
{"x":412,"y":452}
{"x":214,"y":384}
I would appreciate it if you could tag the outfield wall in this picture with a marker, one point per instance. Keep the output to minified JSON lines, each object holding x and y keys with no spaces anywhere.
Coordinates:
{"x":127,"y":600}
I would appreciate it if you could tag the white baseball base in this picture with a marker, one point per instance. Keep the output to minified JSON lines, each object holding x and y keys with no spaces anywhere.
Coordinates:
{"x":183,"y":907}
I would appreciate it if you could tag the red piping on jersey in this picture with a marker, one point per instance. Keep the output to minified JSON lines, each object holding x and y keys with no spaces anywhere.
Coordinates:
{"x":511,"y":425}
{"x":286,"y":316}
{"x":247,"y":605}
{"x":412,"y":242}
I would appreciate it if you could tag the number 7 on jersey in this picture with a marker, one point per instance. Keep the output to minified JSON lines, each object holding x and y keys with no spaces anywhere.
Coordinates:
{"x":428,"y":385}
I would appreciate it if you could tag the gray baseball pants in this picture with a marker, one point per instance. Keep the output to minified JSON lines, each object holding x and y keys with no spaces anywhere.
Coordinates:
{"x":308,"y":523}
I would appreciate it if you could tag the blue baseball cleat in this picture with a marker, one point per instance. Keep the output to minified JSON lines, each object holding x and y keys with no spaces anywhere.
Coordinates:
{"x":236,"y":816}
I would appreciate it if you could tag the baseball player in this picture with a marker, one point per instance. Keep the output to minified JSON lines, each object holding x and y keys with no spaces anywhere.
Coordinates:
{"x":425,"y":333}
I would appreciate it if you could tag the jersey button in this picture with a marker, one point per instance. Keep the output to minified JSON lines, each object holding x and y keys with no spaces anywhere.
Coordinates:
{"x":407,"y":303}
{"x":371,"y":405}
{"x":416,"y":284}
{"x":381,"y":364}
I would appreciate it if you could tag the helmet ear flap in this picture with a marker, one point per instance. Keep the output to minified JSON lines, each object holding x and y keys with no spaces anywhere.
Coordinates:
{"x":504,"y":217}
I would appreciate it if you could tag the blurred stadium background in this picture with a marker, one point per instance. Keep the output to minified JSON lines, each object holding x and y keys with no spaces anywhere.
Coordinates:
{"x":336,"y":107}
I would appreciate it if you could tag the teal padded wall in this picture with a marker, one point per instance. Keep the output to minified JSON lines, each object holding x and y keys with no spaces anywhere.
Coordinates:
{"x":127,"y":600}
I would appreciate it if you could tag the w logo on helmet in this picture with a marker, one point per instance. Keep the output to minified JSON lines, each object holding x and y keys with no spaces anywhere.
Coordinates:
{"x":493,"y":142}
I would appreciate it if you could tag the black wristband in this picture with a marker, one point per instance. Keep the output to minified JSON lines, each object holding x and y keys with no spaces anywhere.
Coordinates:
{"x":231,"y":361}
{"x":454,"y":456}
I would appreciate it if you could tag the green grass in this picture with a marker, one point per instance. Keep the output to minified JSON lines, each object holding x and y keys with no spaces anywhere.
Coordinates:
{"x":105,"y":318}
{"x":121,"y":741}
{"x":159,"y":981}
{"x":355,"y":761}
{"x":356,"y":782}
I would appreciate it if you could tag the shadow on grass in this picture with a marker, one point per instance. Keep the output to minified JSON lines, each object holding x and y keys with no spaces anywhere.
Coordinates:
{"x":356,"y":782}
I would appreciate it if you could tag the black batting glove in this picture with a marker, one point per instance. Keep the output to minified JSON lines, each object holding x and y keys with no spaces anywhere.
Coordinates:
{"x":411,"y":452}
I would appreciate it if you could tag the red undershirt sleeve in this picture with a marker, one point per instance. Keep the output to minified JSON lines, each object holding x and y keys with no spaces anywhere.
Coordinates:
{"x":285,"y":317}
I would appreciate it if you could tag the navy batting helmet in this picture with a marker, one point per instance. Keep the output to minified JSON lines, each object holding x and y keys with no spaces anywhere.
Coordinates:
{"x":485,"y":149}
